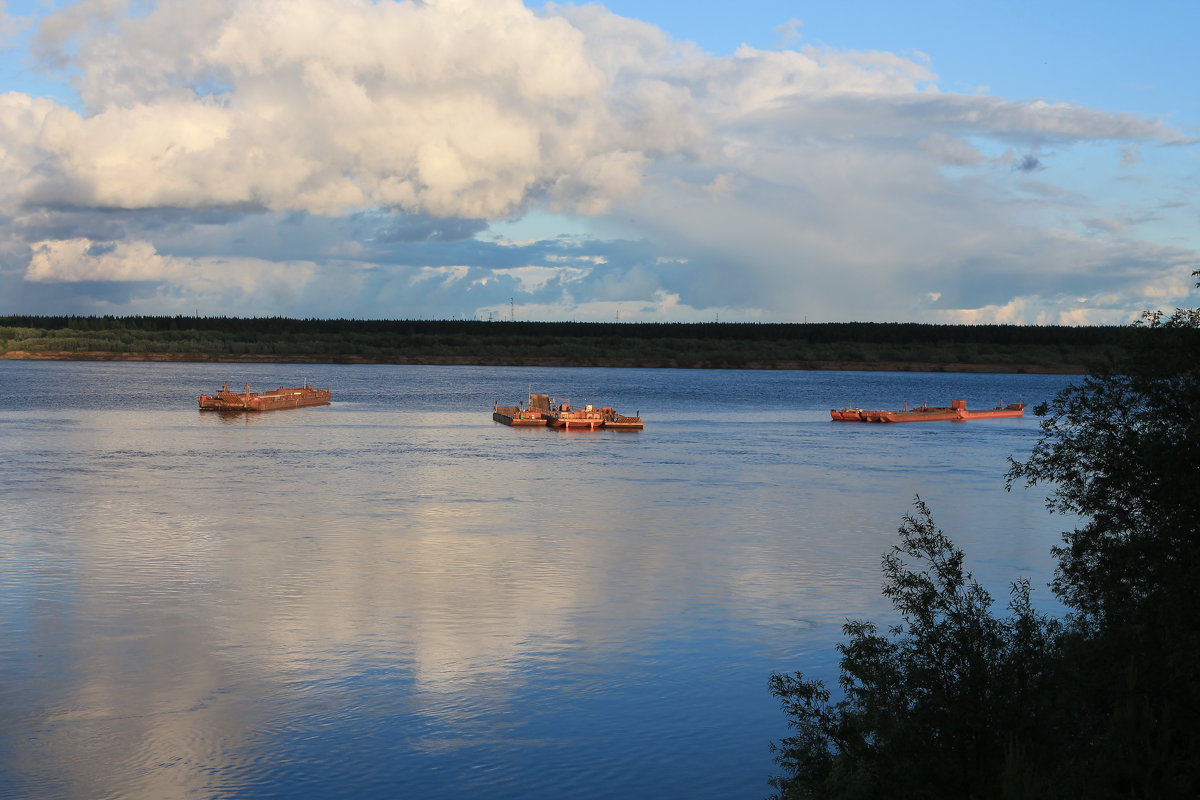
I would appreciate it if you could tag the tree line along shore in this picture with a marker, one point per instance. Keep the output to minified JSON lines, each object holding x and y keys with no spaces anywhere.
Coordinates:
{"x":847,"y":345}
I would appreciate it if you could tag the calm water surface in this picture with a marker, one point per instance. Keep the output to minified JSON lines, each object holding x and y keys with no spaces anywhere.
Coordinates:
{"x":395,"y":596}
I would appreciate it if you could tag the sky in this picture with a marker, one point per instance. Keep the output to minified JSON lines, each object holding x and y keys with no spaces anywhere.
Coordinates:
{"x":944,"y":162}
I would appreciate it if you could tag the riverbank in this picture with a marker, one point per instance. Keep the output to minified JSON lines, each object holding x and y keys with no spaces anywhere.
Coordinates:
{"x":542,"y":361}
{"x":907,"y":347}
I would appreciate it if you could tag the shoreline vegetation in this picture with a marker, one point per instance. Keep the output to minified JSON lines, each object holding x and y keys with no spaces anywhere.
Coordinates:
{"x":901,"y":347}
{"x":950,"y":698}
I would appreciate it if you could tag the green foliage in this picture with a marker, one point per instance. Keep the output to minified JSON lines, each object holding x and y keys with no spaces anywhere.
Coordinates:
{"x":934,"y":708}
{"x":1102,"y":704}
{"x":1120,"y":450}
{"x":708,"y":345}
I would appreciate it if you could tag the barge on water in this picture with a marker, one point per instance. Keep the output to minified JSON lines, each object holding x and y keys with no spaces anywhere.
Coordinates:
{"x":566,"y":417}
{"x":561,"y":415}
{"x":955,"y":412}
{"x":536,"y":414}
{"x":283,"y":397}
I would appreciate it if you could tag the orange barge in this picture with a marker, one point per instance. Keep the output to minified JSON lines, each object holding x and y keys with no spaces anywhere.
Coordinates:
{"x":616,"y":422}
{"x":567,"y":417}
{"x":283,"y":397}
{"x":955,"y":412}
{"x":536,"y":414}
{"x":561,"y":415}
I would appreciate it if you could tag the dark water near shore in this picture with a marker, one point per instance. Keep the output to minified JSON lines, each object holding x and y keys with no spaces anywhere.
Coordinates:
{"x":395,"y":596}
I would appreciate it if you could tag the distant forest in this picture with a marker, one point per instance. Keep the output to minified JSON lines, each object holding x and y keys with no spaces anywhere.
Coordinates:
{"x":846,"y":345}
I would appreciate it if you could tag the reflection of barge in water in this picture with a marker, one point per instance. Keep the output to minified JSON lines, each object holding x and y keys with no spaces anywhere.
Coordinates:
{"x":956,"y":412}
{"x":561,"y":415}
{"x":283,"y":397}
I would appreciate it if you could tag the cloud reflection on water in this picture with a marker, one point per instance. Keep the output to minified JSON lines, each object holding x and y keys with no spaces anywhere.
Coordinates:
{"x":361,"y":598}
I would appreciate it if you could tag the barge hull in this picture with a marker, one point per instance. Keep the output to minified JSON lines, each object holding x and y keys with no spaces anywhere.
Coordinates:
{"x":278,"y":399}
{"x":561,"y":415}
{"x":956,"y":412}
{"x":518,"y":417}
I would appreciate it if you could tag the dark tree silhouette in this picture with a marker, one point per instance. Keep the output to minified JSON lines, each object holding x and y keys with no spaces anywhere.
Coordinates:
{"x":956,"y":703}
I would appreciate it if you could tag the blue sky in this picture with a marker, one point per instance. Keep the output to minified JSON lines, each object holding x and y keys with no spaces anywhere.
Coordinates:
{"x":1008,"y":162}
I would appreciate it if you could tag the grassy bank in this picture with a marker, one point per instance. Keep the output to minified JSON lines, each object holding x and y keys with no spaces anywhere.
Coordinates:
{"x":894,"y":346}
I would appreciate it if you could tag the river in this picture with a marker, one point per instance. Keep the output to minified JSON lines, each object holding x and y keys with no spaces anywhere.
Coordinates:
{"x":396,"y":596}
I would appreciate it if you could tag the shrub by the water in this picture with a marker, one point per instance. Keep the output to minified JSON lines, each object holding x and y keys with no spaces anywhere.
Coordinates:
{"x":958,"y":703}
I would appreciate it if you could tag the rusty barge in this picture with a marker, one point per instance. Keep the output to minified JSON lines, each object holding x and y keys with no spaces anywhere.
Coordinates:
{"x":536,"y":414}
{"x":559,"y":414}
{"x":283,"y":397}
{"x":955,"y":412}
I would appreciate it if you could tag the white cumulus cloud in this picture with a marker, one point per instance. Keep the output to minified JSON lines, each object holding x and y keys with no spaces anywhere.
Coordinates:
{"x":453,"y":108}
{"x":344,"y":157}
